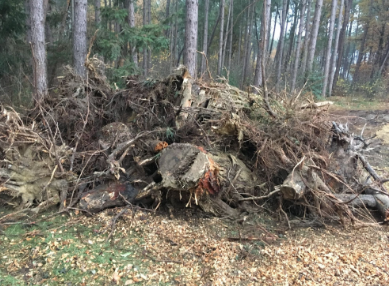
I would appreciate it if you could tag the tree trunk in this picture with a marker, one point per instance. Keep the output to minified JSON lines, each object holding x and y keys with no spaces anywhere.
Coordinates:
{"x":299,"y":46}
{"x":167,"y":16}
{"x":313,"y":36}
{"x":226,"y":37}
{"x":342,"y":37}
{"x":37,"y":20}
{"x":248,"y":44}
{"x":191,"y":36}
{"x":335,"y":50}
{"x":131,"y":22}
{"x":263,"y":44}
{"x":205,"y":37}
{"x":230,"y":40}
{"x":222,"y":21}
{"x":273,"y":33}
{"x":213,"y":32}
{"x":97,"y":12}
{"x":145,"y":65}
{"x":80,"y":37}
{"x":362,"y":48}
{"x":175,"y":33}
{"x":306,"y":40}
{"x":149,"y":48}
{"x":281,"y":46}
{"x":291,"y":38}
{"x":329,"y":46}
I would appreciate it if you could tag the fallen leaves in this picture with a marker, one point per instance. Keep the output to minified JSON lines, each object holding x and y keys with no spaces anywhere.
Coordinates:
{"x":149,"y":249}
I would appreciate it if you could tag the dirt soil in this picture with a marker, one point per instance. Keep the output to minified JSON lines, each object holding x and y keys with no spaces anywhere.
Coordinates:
{"x":186,"y":247}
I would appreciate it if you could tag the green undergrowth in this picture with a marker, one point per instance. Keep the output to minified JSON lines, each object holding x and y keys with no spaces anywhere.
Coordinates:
{"x":68,"y":251}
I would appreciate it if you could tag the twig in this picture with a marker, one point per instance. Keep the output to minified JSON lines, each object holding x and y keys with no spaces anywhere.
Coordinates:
{"x":261,"y":197}
{"x":113,"y":223}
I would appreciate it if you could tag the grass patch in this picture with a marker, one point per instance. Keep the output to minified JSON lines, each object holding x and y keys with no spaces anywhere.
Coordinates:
{"x":357,"y":103}
{"x":69,"y":251}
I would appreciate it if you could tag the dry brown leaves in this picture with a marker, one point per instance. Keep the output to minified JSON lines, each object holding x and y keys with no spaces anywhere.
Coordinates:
{"x":197,"y":251}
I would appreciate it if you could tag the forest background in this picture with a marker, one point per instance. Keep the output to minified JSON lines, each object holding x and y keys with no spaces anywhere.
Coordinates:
{"x":327,"y":47}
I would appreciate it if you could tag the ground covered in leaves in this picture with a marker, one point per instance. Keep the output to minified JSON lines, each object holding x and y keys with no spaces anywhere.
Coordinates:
{"x":186,"y":249}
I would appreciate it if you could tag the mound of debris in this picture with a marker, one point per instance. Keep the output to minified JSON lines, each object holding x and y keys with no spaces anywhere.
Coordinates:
{"x":183,"y":142}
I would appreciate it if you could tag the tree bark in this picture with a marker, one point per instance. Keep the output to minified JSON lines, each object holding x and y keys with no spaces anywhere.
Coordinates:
{"x":281,"y":46}
{"x":329,"y":46}
{"x":149,"y":48}
{"x":248,"y":44}
{"x":299,"y":46}
{"x":362,"y":48}
{"x":191,"y":36}
{"x":205,"y":37}
{"x":131,"y":22}
{"x":145,"y":65}
{"x":263,"y":44}
{"x":97,"y":12}
{"x":291,"y":38}
{"x":222,"y":22}
{"x":306,"y":40}
{"x":80,"y":37}
{"x":342,"y":37}
{"x":175,"y":33}
{"x":335,"y":50}
{"x":273,"y":33}
{"x":226,"y":37}
{"x":37,"y":20}
{"x":230,"y":40}
{"x":313,"y":37}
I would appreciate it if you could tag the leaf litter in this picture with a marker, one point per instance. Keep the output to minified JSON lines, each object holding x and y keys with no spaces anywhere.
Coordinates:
{"x":189,"y":249}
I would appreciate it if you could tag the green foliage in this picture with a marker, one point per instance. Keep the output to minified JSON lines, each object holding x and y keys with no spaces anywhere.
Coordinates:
{"x":114,"y":45}
{"x":315,"y":83}
{"x":12,"y":18}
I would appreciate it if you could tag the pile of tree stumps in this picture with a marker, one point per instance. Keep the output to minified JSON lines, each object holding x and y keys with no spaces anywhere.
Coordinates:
{"x":184,"y":143}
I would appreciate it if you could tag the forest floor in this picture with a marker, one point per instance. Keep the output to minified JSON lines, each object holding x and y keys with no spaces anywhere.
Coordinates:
{"x":187,"y":247}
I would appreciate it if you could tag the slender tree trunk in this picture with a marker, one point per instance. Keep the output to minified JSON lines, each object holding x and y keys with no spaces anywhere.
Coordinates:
{"x":335,"y":50}
{"x":224,"y":52}
{"x":205,"y":37}
{"x":131,"y":22}
{"x":37,"y":20}
{"x":281,"y":46}
{"x":167,"y":16}
{"x":149,"y":64}
{"x":248,"y":44}
{"x":97,"y":12}
{"x":342,"y":37}
{"x":145,"y":60}
{"x":263,"y":44}
{"x":191,"y":36}
{"x":377,"y":60}
{"x":299,"y":46}
{"x":222,"y":21}
{"x":273,"y":33}
{"x":313,"y":37}
{"x":306,"y":40}
{"x":230,"y":40}
{"x":329,"y":46}
{"x":347,"y":50}
{"x":291,"y":38}
{"x":362,"y":48}
{"x":213,"y":32}
{"x":80,"y":37}
{"x":175,"y":33}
